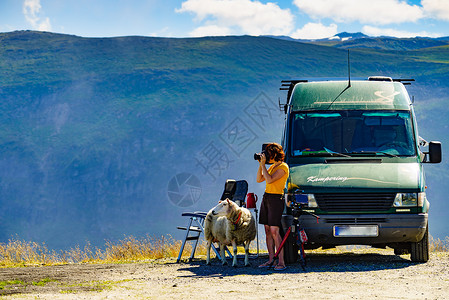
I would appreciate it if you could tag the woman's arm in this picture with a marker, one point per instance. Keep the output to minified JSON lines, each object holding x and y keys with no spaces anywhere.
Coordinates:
{"x":260,"y":177}
{"x":262,"y":173}
{"x":273,"y":177}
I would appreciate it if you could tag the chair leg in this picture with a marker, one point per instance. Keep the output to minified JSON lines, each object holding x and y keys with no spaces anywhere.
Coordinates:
{"x":217,"y":251}
{"x":257,"y":233}
{"x":192,"y":254}
{"x":184,"y":241}
{"x":201,"y":226}
{"x":229,"y":252}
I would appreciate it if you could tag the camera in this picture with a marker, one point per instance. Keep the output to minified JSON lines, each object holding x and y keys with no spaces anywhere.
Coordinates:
{"x":258,"y":156}
{"x":296,"y":202}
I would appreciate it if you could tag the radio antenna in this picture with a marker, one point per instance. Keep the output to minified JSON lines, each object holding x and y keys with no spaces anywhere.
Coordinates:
{"x":349,"y":71}
{"x":349,"y":83}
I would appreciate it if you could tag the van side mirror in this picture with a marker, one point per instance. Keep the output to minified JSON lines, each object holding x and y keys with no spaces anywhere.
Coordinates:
{"x":434,"y":154}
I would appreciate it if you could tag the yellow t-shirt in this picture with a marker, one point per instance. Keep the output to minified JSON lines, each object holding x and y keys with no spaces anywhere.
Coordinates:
{"x":278,"y":186}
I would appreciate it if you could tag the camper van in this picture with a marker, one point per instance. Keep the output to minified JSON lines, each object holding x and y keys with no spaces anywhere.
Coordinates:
{"x":356,"y":160}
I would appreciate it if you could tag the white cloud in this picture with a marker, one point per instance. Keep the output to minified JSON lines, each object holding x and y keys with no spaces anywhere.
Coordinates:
{"x":242,"y":16}
{"x":436,"y":8}
{"x":31,"y":10}
{"x":365,"y":11}
{"x":315,"y":31}
{"x":44,"y":25}
{"x":210,"y":30}
{"x":375,"y":31}
{"x":165,"y":31}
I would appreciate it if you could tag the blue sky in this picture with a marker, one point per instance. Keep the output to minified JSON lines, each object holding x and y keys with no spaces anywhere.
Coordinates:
{"x":190,"y":18}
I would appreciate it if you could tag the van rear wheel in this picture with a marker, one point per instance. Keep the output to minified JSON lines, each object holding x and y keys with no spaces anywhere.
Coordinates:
{"x":401,"y":251}
{"x":420,"y":250}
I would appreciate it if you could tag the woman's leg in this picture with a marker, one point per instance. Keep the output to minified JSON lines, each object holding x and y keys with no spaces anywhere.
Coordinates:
{"x":277,"y":241}
{"x":270,"y":243}
{"x":270,"y":246}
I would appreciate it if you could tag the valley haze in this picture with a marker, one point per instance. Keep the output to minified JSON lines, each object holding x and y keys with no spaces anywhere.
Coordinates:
{"x":107,"y":137}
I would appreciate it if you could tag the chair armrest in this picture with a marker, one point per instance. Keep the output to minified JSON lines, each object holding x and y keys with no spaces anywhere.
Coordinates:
{"x":194,"y":214}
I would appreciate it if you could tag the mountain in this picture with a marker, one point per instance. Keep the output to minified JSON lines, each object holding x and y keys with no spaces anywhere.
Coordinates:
{"x":358,"y":40}
{"x":343,"y":36}
{"x":346,"y":36}
{"x":386,"y":43}
{"x":106,"y":137}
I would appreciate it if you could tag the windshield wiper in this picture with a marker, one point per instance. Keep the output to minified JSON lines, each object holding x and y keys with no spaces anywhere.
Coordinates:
{"x":324,"y":154}
{"x":375,"y":152}
{"x":333,"y":153}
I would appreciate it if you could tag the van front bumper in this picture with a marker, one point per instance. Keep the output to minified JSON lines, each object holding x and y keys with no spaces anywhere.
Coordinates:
{"x":391,"y":228}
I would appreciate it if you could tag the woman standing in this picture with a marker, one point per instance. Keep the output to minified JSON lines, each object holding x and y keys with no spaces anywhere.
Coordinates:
{"x":272,"y":205}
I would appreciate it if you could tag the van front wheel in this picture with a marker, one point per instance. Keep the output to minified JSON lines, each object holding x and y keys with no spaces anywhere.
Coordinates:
{"x":420,"y":250}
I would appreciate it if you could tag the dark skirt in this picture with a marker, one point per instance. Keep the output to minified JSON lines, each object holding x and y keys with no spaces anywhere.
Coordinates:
{"x":271,"y":209}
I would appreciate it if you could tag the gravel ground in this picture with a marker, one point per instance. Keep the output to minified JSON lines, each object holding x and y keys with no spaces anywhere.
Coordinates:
{"x":350,"y":275}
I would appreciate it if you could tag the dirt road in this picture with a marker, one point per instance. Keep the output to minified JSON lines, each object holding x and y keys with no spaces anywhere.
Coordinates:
{"x":352,"y":275}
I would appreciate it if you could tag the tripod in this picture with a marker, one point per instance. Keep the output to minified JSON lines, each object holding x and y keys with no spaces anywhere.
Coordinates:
{"x":299,"y":234}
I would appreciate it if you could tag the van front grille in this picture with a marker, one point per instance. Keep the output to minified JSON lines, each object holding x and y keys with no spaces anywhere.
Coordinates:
{"x":356,"y":202}
{"x":350,"y":221}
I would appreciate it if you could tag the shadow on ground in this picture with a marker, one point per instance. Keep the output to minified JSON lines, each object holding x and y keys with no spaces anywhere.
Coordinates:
{"x":344,"y":262}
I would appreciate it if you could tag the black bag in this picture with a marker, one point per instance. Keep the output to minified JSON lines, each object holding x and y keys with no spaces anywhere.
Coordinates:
{"x":290,"y":247}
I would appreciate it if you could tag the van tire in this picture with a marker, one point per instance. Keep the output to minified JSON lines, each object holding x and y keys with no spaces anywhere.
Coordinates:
{"x":420,"y":250}
{"x":401,"y":251}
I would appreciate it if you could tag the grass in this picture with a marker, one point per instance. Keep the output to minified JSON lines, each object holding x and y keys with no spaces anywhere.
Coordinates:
{"x":437,"y":245}
{"x":8,"y":283}
{"x":14,"y":284}
{"x":20,"y":253}
{"x":95,"y":286}
{"x":42,"y":282}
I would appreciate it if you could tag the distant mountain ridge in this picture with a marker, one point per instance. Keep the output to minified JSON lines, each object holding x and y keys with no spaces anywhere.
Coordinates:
{"x":346,"y":40}
{"x":345,"y":36}
{"x":96,"y":134}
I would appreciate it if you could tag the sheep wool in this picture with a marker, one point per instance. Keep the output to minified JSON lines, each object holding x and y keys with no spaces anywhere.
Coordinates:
{"x":229,"y":224}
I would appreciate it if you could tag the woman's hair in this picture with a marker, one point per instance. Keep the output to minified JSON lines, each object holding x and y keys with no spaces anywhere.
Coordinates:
{"x":275,"y":151}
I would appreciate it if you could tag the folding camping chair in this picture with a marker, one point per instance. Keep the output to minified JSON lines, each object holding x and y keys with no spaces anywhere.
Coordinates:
{"x":233,"y":190}
{"x":237,"y":191}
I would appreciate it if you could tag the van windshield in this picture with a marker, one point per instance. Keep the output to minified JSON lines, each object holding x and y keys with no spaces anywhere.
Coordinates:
{"x":353,"y":133}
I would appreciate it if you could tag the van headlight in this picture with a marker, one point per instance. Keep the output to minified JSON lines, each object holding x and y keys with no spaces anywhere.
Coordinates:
{"x":408,"y":199}
{"x":305,"y":200}
{"x":312,"y":201}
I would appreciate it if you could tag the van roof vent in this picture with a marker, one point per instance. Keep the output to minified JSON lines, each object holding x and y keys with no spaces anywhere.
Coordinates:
{"x":404,"y":81}
{"x":389,"y":79}
{"x":380,"y":78}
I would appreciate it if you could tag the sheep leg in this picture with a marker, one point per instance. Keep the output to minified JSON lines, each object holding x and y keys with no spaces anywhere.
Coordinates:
{"x":209,"y":244}
{"x":234,"y":259}
{"x":247,"y":253}
{"x":223,"y":255}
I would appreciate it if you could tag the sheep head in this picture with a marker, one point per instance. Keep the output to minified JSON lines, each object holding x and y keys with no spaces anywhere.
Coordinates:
{"x":223,"y":208}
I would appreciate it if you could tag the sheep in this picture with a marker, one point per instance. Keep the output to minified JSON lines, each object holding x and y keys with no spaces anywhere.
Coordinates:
{"x":229,"y":224}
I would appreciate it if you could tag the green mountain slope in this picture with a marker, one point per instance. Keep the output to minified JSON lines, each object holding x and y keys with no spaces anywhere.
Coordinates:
{"x":98,"y":135}
{"x":385,"y":43}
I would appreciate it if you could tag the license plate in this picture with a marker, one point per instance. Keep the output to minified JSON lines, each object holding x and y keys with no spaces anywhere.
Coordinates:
{"x":356,"y":231}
